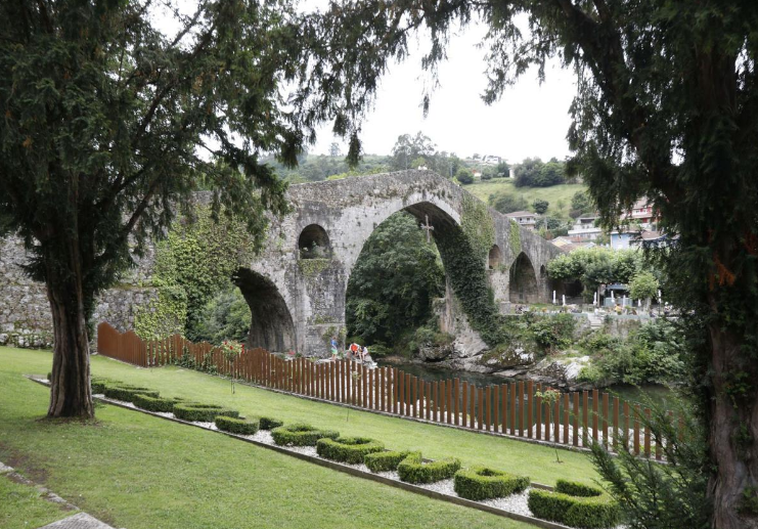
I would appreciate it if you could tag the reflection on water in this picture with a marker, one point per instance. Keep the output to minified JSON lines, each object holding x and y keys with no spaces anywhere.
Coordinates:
{"x":659,"y":395}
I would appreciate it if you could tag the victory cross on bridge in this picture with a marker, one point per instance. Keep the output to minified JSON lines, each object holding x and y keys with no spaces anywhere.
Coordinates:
{"x":296,"y":287}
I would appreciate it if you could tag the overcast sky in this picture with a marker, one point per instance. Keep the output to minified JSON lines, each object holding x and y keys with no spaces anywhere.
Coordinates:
{"x":530,"y":119}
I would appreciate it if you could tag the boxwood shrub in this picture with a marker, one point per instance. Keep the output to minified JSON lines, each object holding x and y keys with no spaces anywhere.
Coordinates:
{"x":350,"y":450}
{"x":236,"y":425}
{"x":574,"y":488}
{"x":146,"y":402}
{"x":595,"y":511}
{"x":413,"y":469}
{"x":269,"y":423}
{"x":127,"y":393}
{"x":98,"y":384}
{"x":482,"y":483}
{"x":201,"y":412}
{"x":300,"y":435}
{"x":384,"y":461}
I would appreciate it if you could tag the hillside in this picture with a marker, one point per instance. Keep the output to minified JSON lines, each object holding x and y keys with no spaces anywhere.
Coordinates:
{"x":554,"y":194}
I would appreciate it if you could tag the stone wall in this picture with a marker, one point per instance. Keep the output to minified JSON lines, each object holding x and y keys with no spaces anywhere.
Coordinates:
{"x":25,"y":319}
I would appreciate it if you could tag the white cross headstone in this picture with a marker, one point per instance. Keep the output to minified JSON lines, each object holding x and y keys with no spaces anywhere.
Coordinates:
{"x":555,"y":299}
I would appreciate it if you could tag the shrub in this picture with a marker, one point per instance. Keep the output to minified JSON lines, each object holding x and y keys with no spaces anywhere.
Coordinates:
{"x":591,"y":510}
{"x":300,"y":435}
{"x":350,"y":450}
{"x":482,"y":483}
{"x":236,"y":425}
{"x":201,"y":412}
{"x":127,"y":393}
{"x":269,"y":423}
{"x":414,"y":470}
{"x":98,"y":384}
{"x":149,"y":403}
{"x":384,"y":461}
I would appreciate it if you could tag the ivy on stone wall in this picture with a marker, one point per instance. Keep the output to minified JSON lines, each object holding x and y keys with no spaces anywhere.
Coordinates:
{"x":313,"y":267}
{"x":464,"y":252}
{"x":515,"y":237}
{"x":193,"y":263}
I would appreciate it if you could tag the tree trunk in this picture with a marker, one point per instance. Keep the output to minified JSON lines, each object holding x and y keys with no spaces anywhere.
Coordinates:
{"x":70,"y":392}
{"x":733,"y":433}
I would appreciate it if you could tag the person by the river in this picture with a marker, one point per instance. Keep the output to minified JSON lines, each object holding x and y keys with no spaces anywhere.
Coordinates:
{"x":335,"y":348}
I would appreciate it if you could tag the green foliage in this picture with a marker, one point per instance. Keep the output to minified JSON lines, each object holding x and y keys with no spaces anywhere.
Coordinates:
{"x":312,"y":267}
{"x":464,"y":176}
{"x":202,"y":412}
{"x":587,"y":512}
{"x":574,"y":488}
{"x":195,"y":263}
{"x":384,"y":461}
{"x":393,"y":283}
{"x":644,"y":285}
{"x":482,"y":483}
{"x":300,"y":435}
{"x":236,"y":425}
{"x":225,"y":317}
{"x":596,"y":266}
{"x":316,"y":168}
{"x":157,"y":404}
{"x":350,"y":450}
{"x":505,"y":202}
{"x":413,"y":469}
{"x":654,"y":496}
{"x":532,"y":172}
{"x":540,"y":206}
{"x":654,"y":353}
{"x":515,"y":237}
{"x":552,"y":332}
{"x":127,"y":393}
{"x":581,"y":204}
{"x":268,"y":423}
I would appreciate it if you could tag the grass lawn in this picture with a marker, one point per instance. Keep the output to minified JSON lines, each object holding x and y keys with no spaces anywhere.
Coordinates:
{"x":22,"y":506}
{"x":483,"y":190}
{"x":136,"y":471}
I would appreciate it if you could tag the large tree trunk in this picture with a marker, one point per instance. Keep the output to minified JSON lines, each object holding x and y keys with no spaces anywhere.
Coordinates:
{"x":733,"y":434}
{"x":70,"y":392}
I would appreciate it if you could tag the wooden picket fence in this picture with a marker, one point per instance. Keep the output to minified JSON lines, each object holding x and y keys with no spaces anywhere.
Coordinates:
{"x":517,"y":409}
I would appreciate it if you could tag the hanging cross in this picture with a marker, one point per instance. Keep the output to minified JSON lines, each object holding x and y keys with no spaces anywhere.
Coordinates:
{"x":428,"y":228}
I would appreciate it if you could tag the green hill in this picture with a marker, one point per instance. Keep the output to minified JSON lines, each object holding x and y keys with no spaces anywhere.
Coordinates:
{"x":554,"y":194}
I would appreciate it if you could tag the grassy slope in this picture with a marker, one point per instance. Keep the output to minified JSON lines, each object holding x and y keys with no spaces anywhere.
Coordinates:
{"x":137,"y":471}
{"x":22,"y":506}
{"x":483,"y":190}
{"x":538,"y":462}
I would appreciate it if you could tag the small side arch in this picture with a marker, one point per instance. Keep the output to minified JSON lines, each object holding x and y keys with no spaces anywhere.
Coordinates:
{"x":522,"y":286}
{"x":495,"y":257}
{"x":313,"y":243}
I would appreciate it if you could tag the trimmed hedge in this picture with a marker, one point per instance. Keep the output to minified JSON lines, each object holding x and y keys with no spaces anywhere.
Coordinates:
{"x":236,"y":425}
{"x":160,"y":404}
{"x":300,"y":435}
{"x":127,"y":393}
{"x":574,"y":488}
{"x":202,"y":412}
{"x":384,"y":461}
{"x":98,"y":384}
{"x":482,"y":483}
{"x":350,"y":450}
{"x":585,"y":511}
{"x":413,"y":469}
{"x":269,"y":423}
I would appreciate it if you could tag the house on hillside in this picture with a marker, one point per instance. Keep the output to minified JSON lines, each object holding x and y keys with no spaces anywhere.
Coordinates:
{"x":585,"y":228}
{"x":525,"y":219}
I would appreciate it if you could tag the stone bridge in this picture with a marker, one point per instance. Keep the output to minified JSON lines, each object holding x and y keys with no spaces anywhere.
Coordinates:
{"x":296,"y":288}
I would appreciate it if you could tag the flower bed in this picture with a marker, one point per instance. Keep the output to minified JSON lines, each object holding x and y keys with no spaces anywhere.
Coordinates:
{"x":482,"y":483}
{"x":575,"y":505}
{"x":414,"y":470}
{"x":300,"y":435}
{"x":349,"y":450}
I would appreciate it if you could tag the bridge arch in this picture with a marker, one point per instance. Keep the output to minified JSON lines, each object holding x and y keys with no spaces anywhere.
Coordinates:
{"x":313,"y":243}
{"x":272,"y":326}
{"x":523,"y":286}
{"x":495,"y":257}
